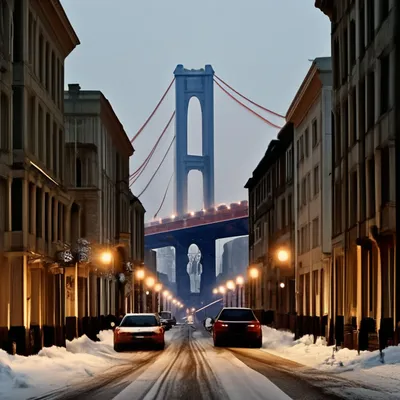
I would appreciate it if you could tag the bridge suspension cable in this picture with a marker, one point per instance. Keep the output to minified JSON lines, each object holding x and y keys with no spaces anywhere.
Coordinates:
{"x":158,"y":168}
{"x":247,"y":108}
{"x":153,"y":112}
{"x":136,"y":174}
{"x":164,"y":197}
{"x":249,"y":100}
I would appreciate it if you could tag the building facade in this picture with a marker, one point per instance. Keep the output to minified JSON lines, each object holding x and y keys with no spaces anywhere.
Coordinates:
{"x":36,"y":39}
{"x":270,"y":284}
{"x":364,"y":310}
{"x":97,"y":155}
{"x":311,"y":114}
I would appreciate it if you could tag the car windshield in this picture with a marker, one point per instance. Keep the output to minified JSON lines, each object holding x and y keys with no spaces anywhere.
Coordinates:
{"x":131,"y":321}
{"x":237,"y":315}
{"x":165,"y":315}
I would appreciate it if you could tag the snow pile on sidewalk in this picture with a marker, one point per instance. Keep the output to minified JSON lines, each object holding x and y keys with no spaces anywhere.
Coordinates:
{"x":364,"y":367}
{"x":55,"y":367}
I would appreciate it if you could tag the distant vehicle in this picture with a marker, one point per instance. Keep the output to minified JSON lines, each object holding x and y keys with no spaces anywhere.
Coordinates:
{"x":166,"y":316}
{"x":235,"y":325}
{"x":139,"y":329}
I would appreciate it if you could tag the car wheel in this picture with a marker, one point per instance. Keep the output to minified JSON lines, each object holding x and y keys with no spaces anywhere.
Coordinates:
{"x":160,"y":346}
{"x":257,"y":344}
{"x":117,"y":348}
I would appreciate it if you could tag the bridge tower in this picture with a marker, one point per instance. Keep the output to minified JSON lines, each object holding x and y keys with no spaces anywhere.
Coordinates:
{"x":188,"y":84}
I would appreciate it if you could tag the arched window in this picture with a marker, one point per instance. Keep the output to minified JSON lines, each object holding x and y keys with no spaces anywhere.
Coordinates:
{"x":78,"y":172}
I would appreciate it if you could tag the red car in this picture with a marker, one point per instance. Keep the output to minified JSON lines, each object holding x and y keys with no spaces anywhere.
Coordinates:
{"x":237,"y":326}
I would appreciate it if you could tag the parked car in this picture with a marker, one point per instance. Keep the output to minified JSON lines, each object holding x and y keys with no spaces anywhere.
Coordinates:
{"x":145,"y":329}
{"x":235,"y":326}
{"x":168,"y":318}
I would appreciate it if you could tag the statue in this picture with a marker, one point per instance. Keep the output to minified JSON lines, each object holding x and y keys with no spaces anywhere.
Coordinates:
{"x":194,"y":268}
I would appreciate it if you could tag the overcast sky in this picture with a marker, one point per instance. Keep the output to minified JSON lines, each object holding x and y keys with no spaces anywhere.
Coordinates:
{"x":130,"y":48}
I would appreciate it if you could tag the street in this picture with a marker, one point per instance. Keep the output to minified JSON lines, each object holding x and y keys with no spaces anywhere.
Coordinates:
{"x":191,"y":368}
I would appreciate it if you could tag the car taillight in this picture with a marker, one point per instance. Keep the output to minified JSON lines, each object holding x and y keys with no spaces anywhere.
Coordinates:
{"x":220,"y":324}
{"x":159,"y":331}
{"x":254,"y":327}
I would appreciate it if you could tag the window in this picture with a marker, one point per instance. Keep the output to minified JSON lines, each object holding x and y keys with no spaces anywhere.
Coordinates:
{"x":306,"y":142}
{"x":41,"y":134}
{"x":48,"y":141}
{"x":385,"y":177}
{"x":352,"y":43}
{"x":257,"y":232}
{"x":370,"y":20}
{"x":345,"y":56}
{"x":361,"y":109}
{"x":132,"y":321}
{"x":4,"y":122}
{"x":309,"y":186}
{"x":289,"y":164}
{"x":385,"y":86}
{"x":283,"y":213}
{"x":304,"y":192}
{"x":236,"y":315}
{"x":337,"y":221}
{"x":362,"y":28}
{"x":337,"y":135}
{"x":314,"y":133}
{"x":353,"y":200}
{"x":384,"y":9}
{"x":371,"y":187}
{"x":371,"y":99}
{"x":41,"y":58}
{"x":16,"y":204}
{"x":78,"y":173}
{"x":290,"y":209}
{"x":345,"y":116}
{"x":315,"y":233}
{"x":316,"y":180}
{"x":336,"y":61}
{"x":353,"y":118}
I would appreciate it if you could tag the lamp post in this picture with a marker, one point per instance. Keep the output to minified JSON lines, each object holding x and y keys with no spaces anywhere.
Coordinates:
{"x":150,"y":282}
{"x":222,"y":290}
{"x":253,"y":290}
{"x":230,"y":285}
{"x":282,"y":255}
{"x":140,"y":275}
{"x":239,"y":290}
{"x":158,"y":288}
{"x":107,"y":258}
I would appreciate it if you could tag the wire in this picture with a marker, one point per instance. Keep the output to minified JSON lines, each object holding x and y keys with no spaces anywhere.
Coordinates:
{"x":249,"y":100}
{"x":163,"y":199}
{"x":159,"y":166}
{"x":248,"y":108}
{"x":154,"y":111}
{"x":135,"y":176}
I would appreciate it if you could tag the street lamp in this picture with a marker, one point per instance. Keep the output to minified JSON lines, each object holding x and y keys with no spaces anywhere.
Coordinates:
{"x":215,"y":291}
{"x":253,"y":272}
{"x":282,"y":285}
{"x":283,"y":255}
{"x":140,"y":275}
{"x":222,"y":290}
{"x":107,"y":259}
{"x":239,"y":291}
{"x":230,"y":285}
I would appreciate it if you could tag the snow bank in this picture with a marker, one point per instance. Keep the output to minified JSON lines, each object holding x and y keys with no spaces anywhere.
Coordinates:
{"x":364,"y":367}
{"x":54,"y":367}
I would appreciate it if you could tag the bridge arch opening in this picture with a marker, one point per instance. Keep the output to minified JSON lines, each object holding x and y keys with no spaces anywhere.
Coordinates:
{"x":195,"y":191}
{"x":194,"y":128}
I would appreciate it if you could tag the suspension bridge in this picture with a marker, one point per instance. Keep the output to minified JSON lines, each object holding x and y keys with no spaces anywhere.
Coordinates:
{"x":195,"y":274}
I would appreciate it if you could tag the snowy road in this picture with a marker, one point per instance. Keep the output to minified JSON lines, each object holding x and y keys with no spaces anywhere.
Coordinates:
{"x":191,"y":368}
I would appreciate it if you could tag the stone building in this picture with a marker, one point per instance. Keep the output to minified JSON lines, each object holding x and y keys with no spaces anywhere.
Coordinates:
{"x":97,"y":155}
{"x":311,"y":114}
{"x":37,"y":211}
{"x":271,"y":231}
{"x":364,"y":281}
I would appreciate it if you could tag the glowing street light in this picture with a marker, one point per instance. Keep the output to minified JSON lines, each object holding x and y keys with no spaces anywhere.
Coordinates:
{"x":222,"y":289}
{"x":230,"y":285}
{"x":193,"y":309}
{"x":215,"y":291}
{"x":158,"y":287}
{"x":239,"y":280}
{"x":283,"y":255}
{"x":140,"y":274}
{"x":165,"y":293}
{"x":106,"y":257}
{"x":282,"y":285}
{"x":253,"y":273}
{"x":169,"y":297}
{"x":150,"y":281}
{"x":174,"y":301}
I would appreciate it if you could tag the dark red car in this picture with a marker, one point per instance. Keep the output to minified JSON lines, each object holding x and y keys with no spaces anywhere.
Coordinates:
{"x":237,"y":326}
